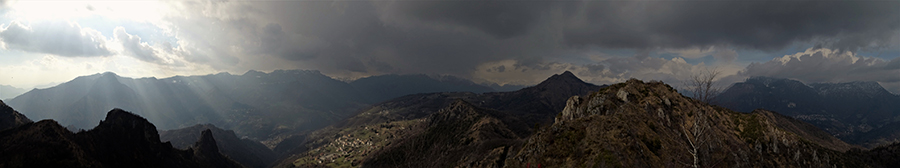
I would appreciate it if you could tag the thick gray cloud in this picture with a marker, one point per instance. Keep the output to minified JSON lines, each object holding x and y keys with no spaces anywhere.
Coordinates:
{"x":456,"y":36}
{"x":59,"y":38}
{"x":361,"y":36}
{"x":462,"y":37}
{"x":501,"y":19}
{"x":766,"y":25}
{"x":825,"y":65}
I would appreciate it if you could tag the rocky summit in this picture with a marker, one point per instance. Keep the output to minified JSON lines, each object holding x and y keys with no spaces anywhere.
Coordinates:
{"x":638,"y":124}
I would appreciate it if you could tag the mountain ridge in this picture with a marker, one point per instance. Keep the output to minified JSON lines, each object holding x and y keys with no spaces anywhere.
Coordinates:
{"x":652,"y":125}
{"x":245,"y":151}
{"x":520,"y":112}
{"x":123,"y":139}
{"x":256,"y":104}
{"x":10,"y":118}
{"x":856,"y":112}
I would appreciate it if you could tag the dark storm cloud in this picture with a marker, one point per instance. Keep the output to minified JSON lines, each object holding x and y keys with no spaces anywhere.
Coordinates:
{"x":354,"y":33}
{"x":276,"y":42}
{"x":501,"y":19}
{"x":455,"y":37}
{"x":766,"y":25}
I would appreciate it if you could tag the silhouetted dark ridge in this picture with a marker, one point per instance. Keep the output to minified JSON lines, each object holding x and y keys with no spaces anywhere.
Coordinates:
{"x":247,"y":152}
{"x":123,"y":139}
{"x":10,"y":118}
{"x":128,"y":125}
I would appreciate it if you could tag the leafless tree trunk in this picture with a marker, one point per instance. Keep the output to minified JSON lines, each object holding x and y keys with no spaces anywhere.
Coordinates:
{"x":703,"y":85}
{"x":696,"y":136}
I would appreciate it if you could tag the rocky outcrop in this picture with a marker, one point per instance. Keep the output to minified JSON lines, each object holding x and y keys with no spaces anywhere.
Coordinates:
{"x":640,"y":124}
{"x":519,"y":112}
{"x":460,"y":135}
{"x":207,"y":152}
{"x":245,"y":151}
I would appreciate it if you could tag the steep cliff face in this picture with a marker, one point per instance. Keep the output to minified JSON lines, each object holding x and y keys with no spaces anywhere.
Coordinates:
{"x":245,"y":151}
{"x":651,"y":125}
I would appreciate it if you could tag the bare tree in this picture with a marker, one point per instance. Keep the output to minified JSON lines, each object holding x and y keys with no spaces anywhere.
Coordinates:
{"x":703,"y":85}
{"x":696,"y":136}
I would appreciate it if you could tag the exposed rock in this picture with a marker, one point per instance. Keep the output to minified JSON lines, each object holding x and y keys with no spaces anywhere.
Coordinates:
{"x":652,"y":125}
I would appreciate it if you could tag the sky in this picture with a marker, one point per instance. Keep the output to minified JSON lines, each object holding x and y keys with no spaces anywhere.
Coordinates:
{"x":517,"y":42}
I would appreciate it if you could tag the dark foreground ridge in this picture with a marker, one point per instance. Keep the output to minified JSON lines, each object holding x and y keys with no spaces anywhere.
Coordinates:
{"x":123,"y":139}
{"x":10,"y":118}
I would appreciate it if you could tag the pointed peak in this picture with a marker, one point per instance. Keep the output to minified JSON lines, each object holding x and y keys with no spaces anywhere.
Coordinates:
{"x":207,"y":143}
{"x":568,"y":74}
{"x":566,"y":78}
{"x":253,"y":72}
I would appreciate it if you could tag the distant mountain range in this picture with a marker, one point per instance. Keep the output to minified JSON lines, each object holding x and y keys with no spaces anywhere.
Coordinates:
{"x":123,"y":139}
{"x":8,"y":92}
{"x":256,"y":104}
{"x":860,"y":113}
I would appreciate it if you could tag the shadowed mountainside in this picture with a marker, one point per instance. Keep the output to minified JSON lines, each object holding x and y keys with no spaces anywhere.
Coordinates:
{"x":377,"y":127}
{"x":256,"y":104}
{"x":247,"y":152}
{"x":123,"y":139}
{"x":860,"y":113}
{"x":10,"y":118}
{"x":8,"y":92}
{"x":651,"y":125}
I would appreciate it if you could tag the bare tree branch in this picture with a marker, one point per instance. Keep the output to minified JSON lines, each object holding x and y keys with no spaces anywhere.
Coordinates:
{"x":696,"y":137}
{"x":703,"y":85}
